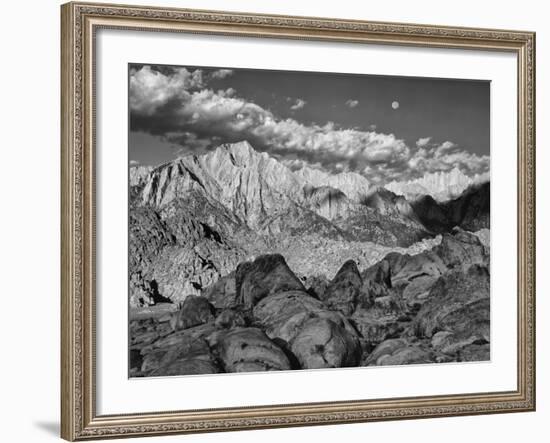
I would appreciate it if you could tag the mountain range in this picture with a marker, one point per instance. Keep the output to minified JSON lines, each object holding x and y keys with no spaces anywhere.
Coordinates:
{"x":441,"y":186}
{"x":192,"y":220}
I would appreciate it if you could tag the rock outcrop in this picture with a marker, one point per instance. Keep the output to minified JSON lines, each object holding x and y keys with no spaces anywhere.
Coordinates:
{"x":250,"y":350}
{"x":183,"y":354}
{"x":399,"y":352}
{"x":455,"y":250}
{"x":223,"y":293}
{"x":343,"y":292}
{"x":454,"y":303}
{"x":268,"y":274}
{"x":431,"y":307}
{"x":195,"y":310}
{"x":138,"y":175}
{"x":190,"y":357}
{"x":389,"y":204}
{"x":321,"y":343}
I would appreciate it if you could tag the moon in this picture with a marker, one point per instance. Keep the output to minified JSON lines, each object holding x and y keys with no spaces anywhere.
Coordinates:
{"x":395,"y":105}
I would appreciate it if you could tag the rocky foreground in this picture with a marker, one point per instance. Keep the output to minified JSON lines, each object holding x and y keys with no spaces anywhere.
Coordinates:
{"x":432,"y":307}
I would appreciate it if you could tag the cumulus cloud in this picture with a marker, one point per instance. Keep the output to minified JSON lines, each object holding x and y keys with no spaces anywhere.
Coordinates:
{"x":298,"y":104}
{"x":445,"y":147}
{"x":134,"y":163}
{"x":222,"y":73}
{"x":446,"y":156}
{"x":151,"y":89}
{"x":423,"y":141}
{"x":352,"y":103}
{"x":180,"y":107}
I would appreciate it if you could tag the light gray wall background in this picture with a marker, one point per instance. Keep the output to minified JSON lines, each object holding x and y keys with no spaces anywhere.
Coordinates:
{"x":29,"y":220}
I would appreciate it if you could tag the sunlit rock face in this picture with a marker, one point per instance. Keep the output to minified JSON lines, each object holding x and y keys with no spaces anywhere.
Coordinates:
{"x":138,"y":174}
{"x":352,"y":185}
{"x":249,"y":184}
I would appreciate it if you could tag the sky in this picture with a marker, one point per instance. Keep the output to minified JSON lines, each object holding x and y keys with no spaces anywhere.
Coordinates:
{"x":386,"y":128}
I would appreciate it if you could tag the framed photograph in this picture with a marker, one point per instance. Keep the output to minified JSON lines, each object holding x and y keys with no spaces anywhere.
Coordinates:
{"x":282,"y":221}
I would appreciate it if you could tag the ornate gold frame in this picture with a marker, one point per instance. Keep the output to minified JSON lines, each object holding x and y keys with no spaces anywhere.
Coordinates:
{"x":79,"y":21}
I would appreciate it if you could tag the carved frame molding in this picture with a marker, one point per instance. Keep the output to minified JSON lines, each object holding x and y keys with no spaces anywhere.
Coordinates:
{"x":80,"y":21}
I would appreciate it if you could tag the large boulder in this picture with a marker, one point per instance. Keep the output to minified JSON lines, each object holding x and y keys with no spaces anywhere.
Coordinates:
{"x":188,"y":366}
{"x":463,"y":327}
{"x":376,"y":327}
{"x":315,"y":335}
{"x":455,"y":250}
{"x":223,"y":293}
{"x":383,"y":319}
{"x":146,"y":331}
{"x":418,"y":290}
{"x":400,"y":352}
{"x":381,"y":272}
{"x":397,"y":270}
{"x":475,"y":352}
{"x":410,"y":267}
{"x":458,"y":303}
{"x":387,"y":347}
{"x":195,"y":310}
{"x":174,"y":338}
{"x":461,"y":248}
{"x":407,"y":356}
{"x":151,"y":361}
{"x":190,"y":355}
{"x":283,"y":315}
{"x":266,"y":275}
{"x":229,"y":318}
{"x":250,"y":350}
{"x":344,"y":290}
{"x":321,"y":343}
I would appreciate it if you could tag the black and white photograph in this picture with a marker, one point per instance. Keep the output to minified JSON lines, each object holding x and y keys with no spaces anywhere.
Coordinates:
{"x":315,"y":221}
{"x":285,"y":220}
